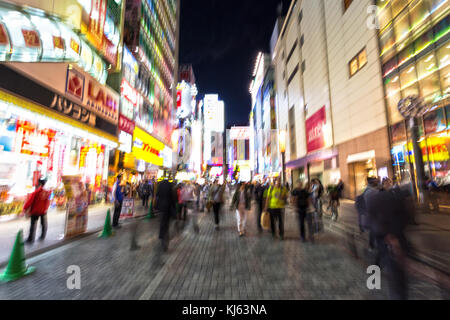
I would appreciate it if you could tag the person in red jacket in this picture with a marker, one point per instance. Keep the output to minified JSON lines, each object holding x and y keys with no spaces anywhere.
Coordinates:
{"x":38,"y":204}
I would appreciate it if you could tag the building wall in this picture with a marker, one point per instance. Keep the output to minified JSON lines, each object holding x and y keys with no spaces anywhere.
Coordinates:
{"x":357,"y":102}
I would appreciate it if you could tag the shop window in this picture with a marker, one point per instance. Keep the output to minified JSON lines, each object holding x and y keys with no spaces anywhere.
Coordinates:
{"x":429,"y":80}
{"x":384,"y":13}
{"x":437,"y":7}
{"x":398,"y":6}
{"x":405,"y":55}
{"x":424,"y":41}
{"x":401,"y":27}
{"x":393,"y":96}
{"x":358,"y":62}
{"x":418,"y":14}
{"x":438,"y":155}
{"x":387,"y":40}
{"x":447,"y":112}
{"x":443,"y":57}
{"x":434,"y":121}
{"x":408,"y":81}
{"x":398,"y":132}
{"x":389,"y":66}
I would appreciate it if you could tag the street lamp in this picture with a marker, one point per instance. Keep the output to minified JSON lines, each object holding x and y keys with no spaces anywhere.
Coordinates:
{"x":411,"y":108}
{"x":282,"y":142}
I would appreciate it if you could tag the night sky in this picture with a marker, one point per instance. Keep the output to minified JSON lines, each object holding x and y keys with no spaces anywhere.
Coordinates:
{"x":221,"y":39}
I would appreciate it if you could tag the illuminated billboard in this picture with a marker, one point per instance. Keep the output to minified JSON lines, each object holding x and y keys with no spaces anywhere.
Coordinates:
{"x":214,"y":113}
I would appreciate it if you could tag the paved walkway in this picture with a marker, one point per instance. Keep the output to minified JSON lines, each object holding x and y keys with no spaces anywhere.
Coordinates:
{"x":55,"y":232}
{"x":211,"y":265}
{"x":430,"y":239}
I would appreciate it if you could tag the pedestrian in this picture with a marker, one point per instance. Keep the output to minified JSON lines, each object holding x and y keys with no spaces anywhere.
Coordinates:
{"x":241,"y":202}
{"x":118,"y":200}
{"x":317,"y":192}
{"x":387,"y":220}
{"x":37,"y":206}
{"x":145,"y":192}
{"x":431,"y":194}
{"x":259,"y":197}
{"x":373,"y":187}
{"x":301,"y":199}
{"x":165,"y":200}
{"x":216,"y":196}
{"x":340,"y":188}
{"x":276,"y":196}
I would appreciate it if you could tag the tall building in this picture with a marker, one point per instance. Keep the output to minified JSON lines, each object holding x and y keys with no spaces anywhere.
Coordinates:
{"x":339,"y":80}
{"x":58,"y":115}
{"x":414,"y":41}
{"x":335,"y":121}
{"x":151,"y":32}
{"x":213,"y":134}
{"x":263,"y":118}
{"x":239,"y":153}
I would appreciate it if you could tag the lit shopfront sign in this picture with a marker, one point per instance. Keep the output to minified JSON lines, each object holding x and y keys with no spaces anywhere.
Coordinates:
{"x":18,"y":84}
{"x":147,"y":148}
{"x":126,"y":124}
{"x":128,"y":92}
{"x":240,"y":133}
{"x":31,"y":141}
{"x":101,"y":99}
{"x":125,"y":142}
{"x":315,"y":130}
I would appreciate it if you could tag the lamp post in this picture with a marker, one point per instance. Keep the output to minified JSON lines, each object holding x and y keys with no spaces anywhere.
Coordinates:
{"x":411,"y":108}
{"x":282,"y":142}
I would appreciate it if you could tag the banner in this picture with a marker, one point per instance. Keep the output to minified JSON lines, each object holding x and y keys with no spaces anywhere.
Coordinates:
{"x":77,"y":206}
{"x":314,"y":130}
{"x":127,"y":208}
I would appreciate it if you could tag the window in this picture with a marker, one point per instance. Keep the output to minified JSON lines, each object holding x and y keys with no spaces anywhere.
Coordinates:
{"x":443,"y":56}
{"x":300,"y":16}
{"x":292,"y":51}
{"x":293,"y":74}
{"x":302,"y":41}
{"x":408,"y":80}
{"x":347,"y":4}
{"x":358,"y":62}
{"x":303,"y":67}
{"x":292,"y":130}
{"x":427,"y":70}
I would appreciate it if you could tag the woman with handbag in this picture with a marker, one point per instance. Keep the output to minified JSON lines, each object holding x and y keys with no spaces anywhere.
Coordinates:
{"x":241,"y":202}
{"x":37,"y":206}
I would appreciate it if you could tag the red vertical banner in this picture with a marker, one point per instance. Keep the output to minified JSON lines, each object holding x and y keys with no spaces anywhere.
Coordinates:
{"x":314,"y":130}
{"x":97,"y":19}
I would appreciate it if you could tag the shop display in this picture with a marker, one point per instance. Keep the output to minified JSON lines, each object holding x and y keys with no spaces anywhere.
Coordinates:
{"x":77,"y":206}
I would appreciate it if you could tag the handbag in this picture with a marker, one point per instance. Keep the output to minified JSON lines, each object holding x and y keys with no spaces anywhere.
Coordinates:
{"x":265,"y":220}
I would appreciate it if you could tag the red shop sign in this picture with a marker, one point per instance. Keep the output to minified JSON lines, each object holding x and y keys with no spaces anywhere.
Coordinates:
{"x":178,"y":99}
{"x":31,"y":38}
{"x":314,"y":130}
{"x":126,"y":125}
{"x":3,"y":36}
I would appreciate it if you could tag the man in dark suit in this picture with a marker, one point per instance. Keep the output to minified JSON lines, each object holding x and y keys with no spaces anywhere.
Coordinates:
{"x":165,"y":204}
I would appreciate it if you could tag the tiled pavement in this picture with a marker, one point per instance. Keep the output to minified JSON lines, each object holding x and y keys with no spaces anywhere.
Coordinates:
{"x":211,"y":265}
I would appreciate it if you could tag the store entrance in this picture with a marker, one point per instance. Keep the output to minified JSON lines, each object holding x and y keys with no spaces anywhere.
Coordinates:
{"x":359,"y":171}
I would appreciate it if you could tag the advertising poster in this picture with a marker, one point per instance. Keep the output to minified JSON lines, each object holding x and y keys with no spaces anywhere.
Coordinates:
{"x":127,"y":208}
{"x":77,"y":206}
{"x":314,"y":130}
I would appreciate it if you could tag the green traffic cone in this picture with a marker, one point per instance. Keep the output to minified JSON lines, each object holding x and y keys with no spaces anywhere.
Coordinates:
{"x":107,"y":229}
{"x":17,"y":267}
{"x":150,"y":213}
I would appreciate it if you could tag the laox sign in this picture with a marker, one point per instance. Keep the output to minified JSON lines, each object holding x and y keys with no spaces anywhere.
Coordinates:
{"x":101,"y":101}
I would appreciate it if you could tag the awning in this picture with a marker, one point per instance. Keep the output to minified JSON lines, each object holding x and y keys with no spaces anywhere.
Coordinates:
{"x":317,"y":156}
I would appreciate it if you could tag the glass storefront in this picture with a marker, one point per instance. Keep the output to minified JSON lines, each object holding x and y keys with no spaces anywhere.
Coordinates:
{"x":435,"y":145}
{"x":34,"y":146}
